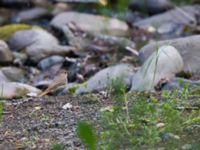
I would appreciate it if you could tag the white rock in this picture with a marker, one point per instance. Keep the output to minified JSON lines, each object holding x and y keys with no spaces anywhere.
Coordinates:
{"x":188,"y":47}
{"x":162,"y":64}
{"x":32,"y":94}
{"x":67,"y":106}
{"x":160,"y":125}
{"x":9,"y":90}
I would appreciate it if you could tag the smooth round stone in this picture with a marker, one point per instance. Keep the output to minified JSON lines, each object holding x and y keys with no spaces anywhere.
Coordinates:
{"x":50,"y":61}
{"x":164,"y":63}
{"x":188,"y":47}
{"x":38,"y":44}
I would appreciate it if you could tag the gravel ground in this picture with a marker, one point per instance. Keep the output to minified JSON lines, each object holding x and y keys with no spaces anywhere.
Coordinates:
{"x":37,"y":123}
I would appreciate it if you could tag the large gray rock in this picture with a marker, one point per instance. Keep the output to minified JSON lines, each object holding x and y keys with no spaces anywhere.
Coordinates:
{"x":8,"y":74}
{"x":102,"y":79}
{"x":38,"y":44}
{"x":31,"y":14}
{"x":181,"y":16}
{"x":162,"y":64}
{"x":5,"y":53}
{"x":150,"y":6}
{"x":3,"y":77}
{"x":188,"y":47}
{"x":33,"y":37}
{"x":91,"y":23}
{"x":13,"y":73}
{"x":25,"y":38}
{"x":11,"y":90}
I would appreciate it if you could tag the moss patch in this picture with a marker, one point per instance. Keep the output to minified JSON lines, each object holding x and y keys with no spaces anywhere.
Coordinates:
{"x":7,"y":30}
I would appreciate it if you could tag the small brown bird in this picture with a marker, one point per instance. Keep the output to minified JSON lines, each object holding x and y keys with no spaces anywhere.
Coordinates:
{"x":59,"y":80}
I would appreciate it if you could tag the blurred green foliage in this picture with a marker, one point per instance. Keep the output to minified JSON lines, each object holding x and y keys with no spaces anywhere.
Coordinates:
{"x":86,"y":133}
{"x":57,"y":147}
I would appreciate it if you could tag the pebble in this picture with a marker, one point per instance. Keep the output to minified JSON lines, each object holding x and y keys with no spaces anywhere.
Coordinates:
{"x":170,"y":136}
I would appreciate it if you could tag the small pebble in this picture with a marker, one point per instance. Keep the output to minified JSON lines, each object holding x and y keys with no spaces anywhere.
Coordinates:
{"x":160,"y":125}
{"x":170,"y":136}
{"x":67,"y":106}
